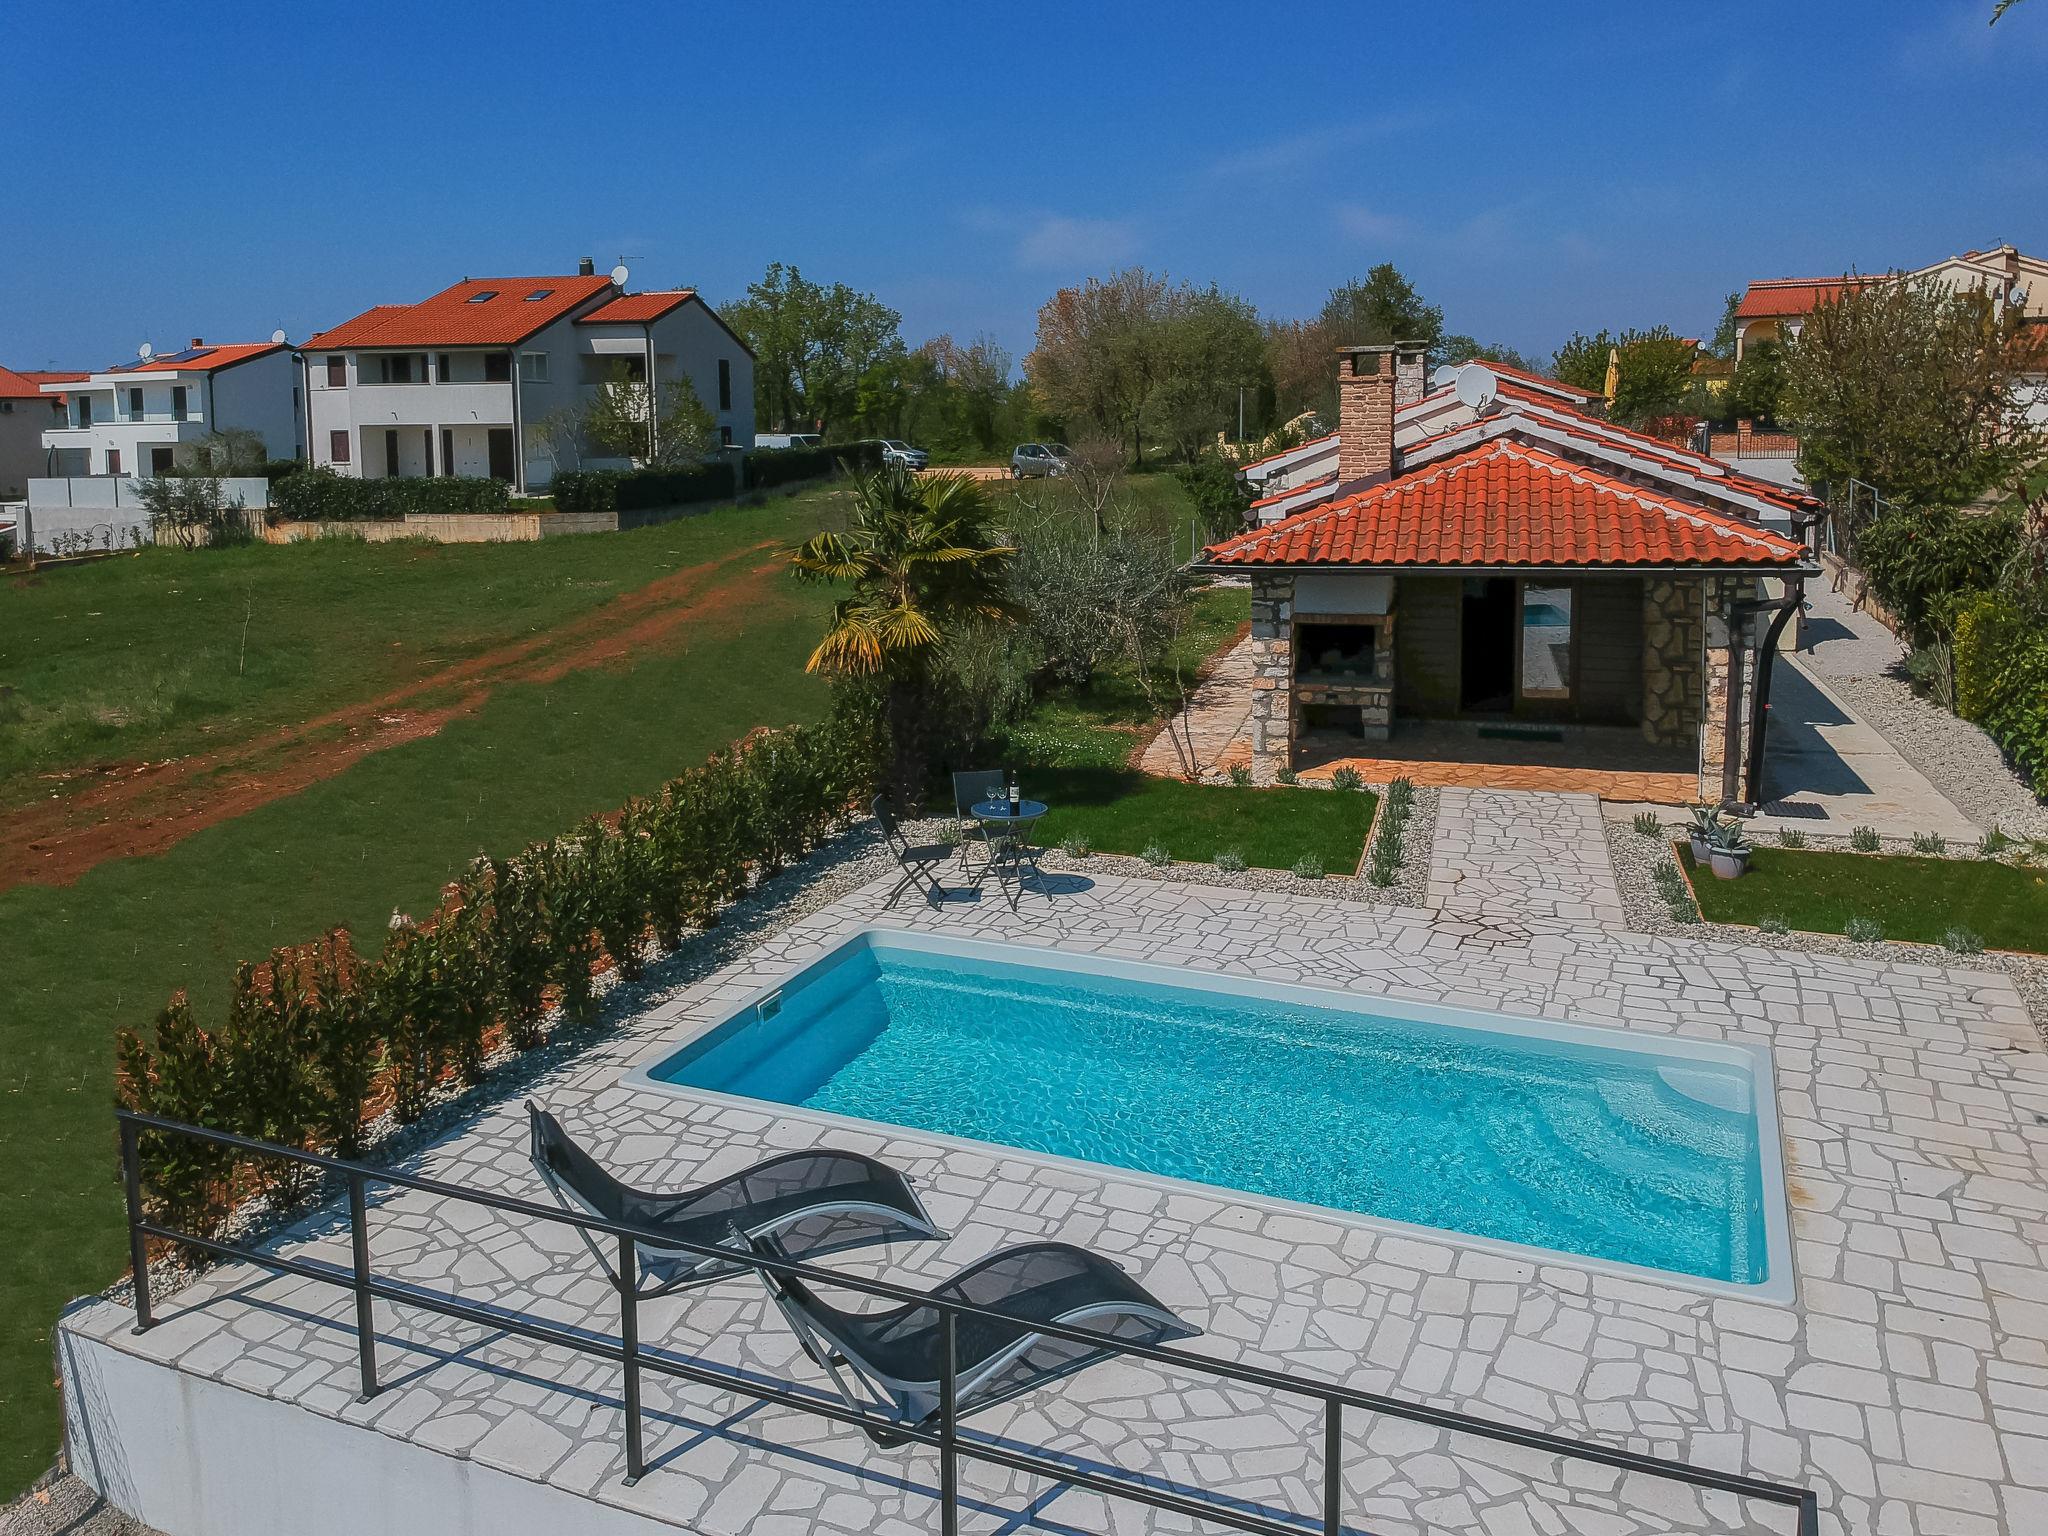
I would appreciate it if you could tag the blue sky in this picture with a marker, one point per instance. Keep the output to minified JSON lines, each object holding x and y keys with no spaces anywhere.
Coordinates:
{"x":1534,"y":168}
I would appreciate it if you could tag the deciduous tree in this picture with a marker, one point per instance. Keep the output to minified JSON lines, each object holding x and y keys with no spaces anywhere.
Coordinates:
{"x":812,"y":346}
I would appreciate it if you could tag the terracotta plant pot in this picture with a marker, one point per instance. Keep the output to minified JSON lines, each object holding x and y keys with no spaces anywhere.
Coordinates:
{"x":1729,"y":863}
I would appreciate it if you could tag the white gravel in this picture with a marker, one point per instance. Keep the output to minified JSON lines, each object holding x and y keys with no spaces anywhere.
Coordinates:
{"x":1956,"y":756}
{"x":1636,"y":857}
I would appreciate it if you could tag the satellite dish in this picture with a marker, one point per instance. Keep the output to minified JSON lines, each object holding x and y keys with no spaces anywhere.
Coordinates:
{"x":145,"y":351}
{"x":619,"y":275}
{"x":278,"y":335}
{"x":1477,"y":386}
{"x":1445,"y":373}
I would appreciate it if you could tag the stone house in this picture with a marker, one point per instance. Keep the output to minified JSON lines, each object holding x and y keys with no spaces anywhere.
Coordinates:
{"x":1488,"y":552}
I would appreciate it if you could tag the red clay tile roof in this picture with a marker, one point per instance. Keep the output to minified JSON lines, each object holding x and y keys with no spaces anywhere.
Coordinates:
{"x":18,"y":386}
{"x":476,"y":312}
{"x":201,"y":359}
{"x":1321,"y":482}
{"x":1538,"y":381}
{"x":1507,"y":504}
{"x":637,"y":308}
{"x":1314,"y":442}
{"x":1772,"y":298}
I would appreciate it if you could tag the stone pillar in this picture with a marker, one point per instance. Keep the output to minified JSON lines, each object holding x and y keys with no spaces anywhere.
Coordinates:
{"x":1726,"y":650}
{"x":1272,"y":643}
{"x":1674,"y":642}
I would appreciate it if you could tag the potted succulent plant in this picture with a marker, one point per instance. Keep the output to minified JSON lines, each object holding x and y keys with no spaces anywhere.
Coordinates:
{"x":1701,"y":820}
{"x":1728,"y":850}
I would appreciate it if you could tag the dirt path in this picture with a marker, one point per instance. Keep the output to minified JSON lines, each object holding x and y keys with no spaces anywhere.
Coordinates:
{"x":147,"y":808}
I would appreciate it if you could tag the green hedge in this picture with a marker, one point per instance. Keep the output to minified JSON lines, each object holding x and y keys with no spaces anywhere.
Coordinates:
{"x":322,"y":1032}
{"x":634,"y":490}
{"x":319,"y":494}
{"x":2001,"y":660}
{"x":1924,"y":561}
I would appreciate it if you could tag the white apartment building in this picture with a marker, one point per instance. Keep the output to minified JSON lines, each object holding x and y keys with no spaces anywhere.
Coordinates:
{"x":479,"y":379}
{"x":143,"y":417}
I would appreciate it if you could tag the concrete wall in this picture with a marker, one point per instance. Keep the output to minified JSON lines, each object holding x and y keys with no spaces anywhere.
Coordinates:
{"x":105,"y":512}
{"x":193,"y":1457}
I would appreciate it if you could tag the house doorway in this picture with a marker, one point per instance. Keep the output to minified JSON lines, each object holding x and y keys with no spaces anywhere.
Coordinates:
{"x":501,"y":454}
{"x":1486,"y":666}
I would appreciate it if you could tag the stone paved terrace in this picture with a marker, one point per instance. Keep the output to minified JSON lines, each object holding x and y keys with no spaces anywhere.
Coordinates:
{"x":1909,"y":1384}
{"x":1509,"y":856}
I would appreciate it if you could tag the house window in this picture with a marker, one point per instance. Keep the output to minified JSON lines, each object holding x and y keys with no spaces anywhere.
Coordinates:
{"x":6,"y":407}
{"x":337,"y":373}
{"x":482,"y":296}
{"x":85,"y":410}
{"x":396,"y":367}
{"x":538,"y":294}
{"x":135,"y":404}
{"x":337,"y":447}
{"x":497,"y":367}
{"x":533,"y":367}
{"x":725,"y":383}
{"x":725,"y":437}
{"x":159,"y":461}
{"x":179,"y":397}
{"x":1546,"y":640}
{"x":444,"y":367}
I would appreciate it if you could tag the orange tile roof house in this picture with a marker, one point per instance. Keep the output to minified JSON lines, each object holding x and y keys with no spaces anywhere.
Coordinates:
{"x":1485,"y":556}
{"x":486,"y":376}
{"x":143,"y":417}
{"x":24,"y":411}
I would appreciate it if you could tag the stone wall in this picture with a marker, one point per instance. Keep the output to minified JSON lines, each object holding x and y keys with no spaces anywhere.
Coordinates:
{"x":1724,"y":651}
{"x":1674,"y":642}
{"x":1272,"y":644}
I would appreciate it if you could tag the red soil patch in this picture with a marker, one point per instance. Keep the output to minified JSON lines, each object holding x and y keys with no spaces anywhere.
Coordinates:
{"x":146,"y":808}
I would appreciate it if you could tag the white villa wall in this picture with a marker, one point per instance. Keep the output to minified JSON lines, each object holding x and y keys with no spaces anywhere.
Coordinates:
{"x":123,"y":1423}
{"x":693,"y":337}
{"x":105,"y":512}
{"x":260,"y":396}
{"x":22,"y":454}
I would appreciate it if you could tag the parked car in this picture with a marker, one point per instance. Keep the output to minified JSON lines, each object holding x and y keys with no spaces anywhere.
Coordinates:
{"x":787,"y":439}
{"x":1031,"y":459}
{"x":897,"y":454}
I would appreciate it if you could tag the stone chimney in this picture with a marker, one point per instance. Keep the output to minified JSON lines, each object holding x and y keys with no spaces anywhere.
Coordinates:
{"x":1410,"y":361}
{"x":198,"y":342}
{"x":586,"y":268}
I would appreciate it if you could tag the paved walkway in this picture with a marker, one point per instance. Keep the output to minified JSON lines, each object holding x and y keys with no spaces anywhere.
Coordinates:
{"x":1213,"y":719}
{"x":1836,"y":639}
{"x":1510,"y":856}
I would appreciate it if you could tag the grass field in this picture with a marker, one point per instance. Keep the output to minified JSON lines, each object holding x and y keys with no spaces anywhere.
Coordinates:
{"x":1911,"y":897}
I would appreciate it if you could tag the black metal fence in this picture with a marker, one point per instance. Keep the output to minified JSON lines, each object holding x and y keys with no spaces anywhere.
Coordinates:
{"x":626,"y":1353}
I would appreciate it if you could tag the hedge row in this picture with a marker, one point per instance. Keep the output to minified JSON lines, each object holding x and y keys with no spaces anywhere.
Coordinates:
{"x":322,"y":1036}
{"x":634,"y":490}
{"x":2001,"y":661}
{"x":319,"y":494}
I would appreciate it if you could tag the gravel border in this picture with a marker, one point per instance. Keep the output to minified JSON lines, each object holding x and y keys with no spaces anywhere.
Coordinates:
{"x":1956,"y":756}
{"x":1636,"y":857}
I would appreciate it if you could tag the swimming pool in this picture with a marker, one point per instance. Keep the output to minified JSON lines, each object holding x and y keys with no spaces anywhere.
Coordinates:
{"x":1633,"y":1152}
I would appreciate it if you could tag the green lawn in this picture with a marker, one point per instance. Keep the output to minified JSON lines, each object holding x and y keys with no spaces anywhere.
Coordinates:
{"x":1914,"y":898}
{"x":164,"y":652}
{"x":1123,"y":811}
{"x":83,"y":960}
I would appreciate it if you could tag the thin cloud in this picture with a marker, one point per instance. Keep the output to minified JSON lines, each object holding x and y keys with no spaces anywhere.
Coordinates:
{"x":1057,"y":242}
{"x":1368,"y":226}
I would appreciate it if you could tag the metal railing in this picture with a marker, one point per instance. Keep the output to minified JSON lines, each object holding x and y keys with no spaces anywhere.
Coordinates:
{"x":627,"y":1353}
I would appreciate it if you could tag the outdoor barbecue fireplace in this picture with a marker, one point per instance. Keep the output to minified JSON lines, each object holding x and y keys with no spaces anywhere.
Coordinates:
{"x":1344,"y":674}
{"x":1336,"y":652}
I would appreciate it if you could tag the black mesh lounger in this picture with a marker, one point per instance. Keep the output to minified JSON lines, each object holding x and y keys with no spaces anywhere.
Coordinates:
{"x":815,"y":1203}
{"x":895,"y":1354}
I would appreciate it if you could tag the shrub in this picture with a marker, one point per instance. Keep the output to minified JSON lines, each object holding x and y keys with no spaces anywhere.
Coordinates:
{"x":1791,"y":837}
{"x":1929,"y":842}
{"x":1672,"y":888}
{"x":1865,"y":840}
{"x":1993,"y":843}
{"x":1287,"y":776}
{"x":1076,"y":845}
{"x":1921,"y":559}
{"x":1230,"y":861}
{"x":1649,"y":824}
{"x":1771,"y":922}
{"x":1863,"y":930}
{"x":1218,"y":495}
{"x":638,"y":490}
{"x":1240,"y":776}
{"x":518,"y":935}
{"x":2001,"y":670}
{"x":1156,"y":855}
{"x":1963,"y":941}
{"x":319,"y":494}
{"x":345,"y":1046}
{"x":1346,"y":778}
{"x":1308,"y":867}
{"x":177,"y":1074}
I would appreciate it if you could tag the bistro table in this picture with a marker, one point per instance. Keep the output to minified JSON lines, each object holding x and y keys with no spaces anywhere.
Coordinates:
{"x":1009,"y":868}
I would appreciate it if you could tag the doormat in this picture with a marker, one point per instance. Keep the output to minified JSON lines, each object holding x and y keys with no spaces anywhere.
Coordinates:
{"x":1796,"y":810}
{"x":1519,"y":733}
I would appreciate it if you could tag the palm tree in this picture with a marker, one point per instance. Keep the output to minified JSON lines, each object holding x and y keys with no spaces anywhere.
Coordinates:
{"x":923,"y":564}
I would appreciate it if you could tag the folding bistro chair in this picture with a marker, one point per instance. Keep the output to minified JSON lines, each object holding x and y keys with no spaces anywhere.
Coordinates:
{"x":969,"y":790}
{"x":916,"y":860}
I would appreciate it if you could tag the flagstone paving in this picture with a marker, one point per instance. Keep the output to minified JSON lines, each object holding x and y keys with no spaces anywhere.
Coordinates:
{"x":1506,"y":855}
{"x":1908,"y":1384}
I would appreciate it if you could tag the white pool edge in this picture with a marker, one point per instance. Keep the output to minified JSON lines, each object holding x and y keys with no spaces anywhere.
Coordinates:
{"x":1779,"y":1289}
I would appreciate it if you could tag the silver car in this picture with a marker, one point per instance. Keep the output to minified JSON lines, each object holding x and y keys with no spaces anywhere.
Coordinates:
{"x":1031,"y":459}
{"x":897,"y":454}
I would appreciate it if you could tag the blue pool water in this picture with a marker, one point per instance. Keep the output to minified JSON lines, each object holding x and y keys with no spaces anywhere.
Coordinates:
{"x":1610,"y":1153}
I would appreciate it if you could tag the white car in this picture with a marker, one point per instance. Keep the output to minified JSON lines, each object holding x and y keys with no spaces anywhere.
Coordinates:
{"x":897,"y":454}
{"x":786,"y":439}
